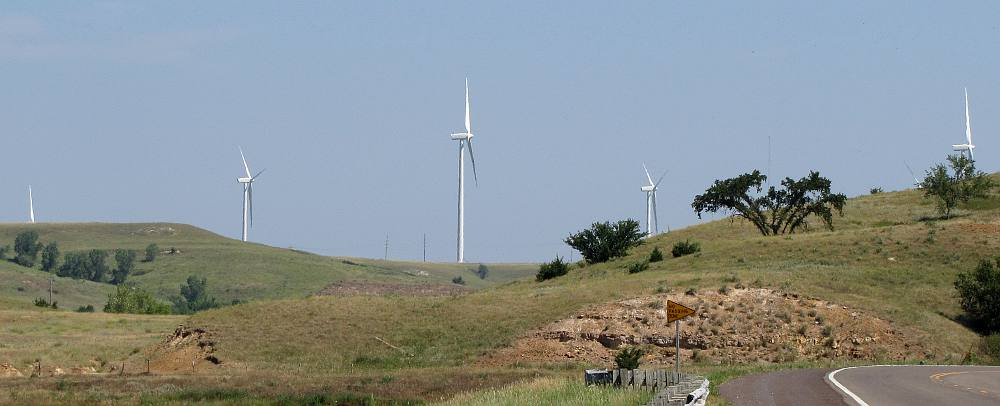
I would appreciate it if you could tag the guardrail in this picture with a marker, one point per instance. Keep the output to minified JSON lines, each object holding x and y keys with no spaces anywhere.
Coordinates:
{"x":671,"y":389}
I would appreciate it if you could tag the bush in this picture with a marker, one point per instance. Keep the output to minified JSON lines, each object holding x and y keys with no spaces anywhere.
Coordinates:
{"x":960,"y":186}
{"x":638,"y":267}
{"x":26,"y":248}
{"x":194,"y":297}
{"x":458,"y":280}
{"x":603,"y":241}
{"x":628,"y":358}
{"x":50,"y":257}
{"x":552,"y":269}
{"x":40,"y":302}
{"x":686,"y":247}
{"x":482,"y":271}
{"x":990,"y":346}
{"x":875,"y":190}
{"x":656,"y":255}
{"x":979,"y":293}
{"x":85,"y":309}
{"x":125,"y":264}
{"x":152,"y":250}
{"x":128,"y":298}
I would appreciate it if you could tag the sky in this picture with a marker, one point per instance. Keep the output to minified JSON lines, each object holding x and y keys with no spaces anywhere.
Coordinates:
{"x":123,"y":111}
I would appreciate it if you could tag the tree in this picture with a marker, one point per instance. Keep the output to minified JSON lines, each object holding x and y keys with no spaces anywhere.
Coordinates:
{"x":74,"y":266}
{"x":604,"y":241}
{"x":50,"y":257}
{"x":552,"y":269}
{"x":629,"y":357}
{"x":124,"y":265}
{"x":979,"y":293}
{"x":482,"y":271}
{"x":128,"y":298}
{"x":194,"y":297}
{"x":960,"y":186}
{"x":778,"y":211}
{"x":95,"y":268}
{"x":26,"y":248}
{"x":152,"y":250}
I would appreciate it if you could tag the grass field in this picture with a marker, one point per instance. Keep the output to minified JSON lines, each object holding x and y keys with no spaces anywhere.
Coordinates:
{"x":885,"y":257}
{"x":234,"y":269}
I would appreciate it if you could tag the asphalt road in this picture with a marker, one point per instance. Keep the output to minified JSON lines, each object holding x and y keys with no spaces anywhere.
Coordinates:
{"x":789,"y":387}
{"x":920,"y":385}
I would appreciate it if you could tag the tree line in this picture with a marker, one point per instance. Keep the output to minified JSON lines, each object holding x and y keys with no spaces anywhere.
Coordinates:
{"x":90,"y":265}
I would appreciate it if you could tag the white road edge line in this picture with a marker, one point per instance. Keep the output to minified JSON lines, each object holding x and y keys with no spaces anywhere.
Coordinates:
{"x":844,"y":389}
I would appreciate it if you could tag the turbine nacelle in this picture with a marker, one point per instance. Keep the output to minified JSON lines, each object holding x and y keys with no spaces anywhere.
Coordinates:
{"x":649,"y":188}
{"x":244,"y":180}
{"x":461,"y":136}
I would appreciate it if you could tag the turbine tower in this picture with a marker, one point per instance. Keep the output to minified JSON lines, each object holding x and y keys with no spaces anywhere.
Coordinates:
{"x":968,"y":132}
{"x":31,"y":207}
{"x":247,"y":183}
{"x":652,"y":224}
{"x":463,"y":139}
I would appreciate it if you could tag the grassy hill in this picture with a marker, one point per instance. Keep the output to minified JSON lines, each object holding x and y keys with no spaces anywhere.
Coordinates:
{"x":234,"y":269}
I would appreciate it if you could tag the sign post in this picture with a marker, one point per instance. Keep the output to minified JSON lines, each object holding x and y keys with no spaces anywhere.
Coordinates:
{"x":676,"y":312}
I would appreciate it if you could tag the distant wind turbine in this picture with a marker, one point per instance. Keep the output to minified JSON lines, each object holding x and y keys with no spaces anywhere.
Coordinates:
{"x":247,"y":183}
{"x":652,"y":223}
{"x":916,"y":181}
{"x":31,"y":207}
{"x":464,"y":138}
{"x":968,"y":146}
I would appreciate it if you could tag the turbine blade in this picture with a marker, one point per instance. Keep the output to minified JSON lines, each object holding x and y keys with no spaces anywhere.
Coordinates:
{"x":660,"y":180}
{"x":656,"y":221}
{"x":649,"y":178}
{"x":250,"y":201}
{"x":468,"y":114}
{"x":473,"y":156}
{"x":258,"y":174}
{"x":968,"y":126}
{"x":245,"y":166}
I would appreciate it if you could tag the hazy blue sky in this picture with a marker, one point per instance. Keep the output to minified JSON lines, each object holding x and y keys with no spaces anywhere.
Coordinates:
{"x":132,"y":111}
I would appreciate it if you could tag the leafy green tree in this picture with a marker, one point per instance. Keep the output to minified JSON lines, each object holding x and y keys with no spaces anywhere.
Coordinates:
{"x":74,"y":266}
{"x":482,"y":271}
{"x":124,"y":265}
{"x":979,"y":293}
{"x":961,"y":185}
{"x":26,"y":248}
{"x":152,"y":250}
{"x":50,"y":257}
{"x":194,"y":297}
{"x":95,"y":268}
{"x":128,"y":298}
{"x":778,"y":211}
{"x":552,"y":269}
{"x":603,"y":241}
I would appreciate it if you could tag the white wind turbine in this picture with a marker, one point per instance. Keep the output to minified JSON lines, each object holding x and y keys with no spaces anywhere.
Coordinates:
{"x":652,"y":223}
{"x":464,"y":138}
{"x":31,"y":207}
{"x":968,"y":132}
{"x":247,"y":183}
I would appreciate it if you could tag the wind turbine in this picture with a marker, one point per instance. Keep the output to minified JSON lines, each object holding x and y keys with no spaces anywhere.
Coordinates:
{"x":652,"y":224}
{"x":247,"y":183}
{"x":463,"y":139}
{"x":31,"y":207}
{"x":968,"y":132}
{"x":916,"y":181}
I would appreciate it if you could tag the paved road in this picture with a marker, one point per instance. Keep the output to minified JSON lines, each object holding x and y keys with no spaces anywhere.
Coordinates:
{"x":790,"y":387}
{"x":921,"y":385}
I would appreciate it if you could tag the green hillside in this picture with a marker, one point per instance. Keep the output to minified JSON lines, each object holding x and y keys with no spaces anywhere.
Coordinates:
{"x":234,"y":269}
{"x":883,"y":258}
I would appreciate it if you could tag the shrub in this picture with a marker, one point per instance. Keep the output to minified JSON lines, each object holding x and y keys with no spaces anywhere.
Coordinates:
{"x":552,"y":269}
{"x":458,"y":280}
{"x":979,"y":294}
{"x":656,"y":255}
{"x":628,"y":358}
{"x":482,"y":271}
{"x":85,"y":309}
{"x":26,"y":248}
{"x":686,"y":247}
{"x":152,"y":250}
{"x":638,"y":267}
{"x":990,"y":346}
{"x":128,"y":298}
{"x":960,"y":186}
{"x":50,"y":257}
{"x":124,"y":265}
{"x":194,"y":297}
{"x":875,"y":190}
{"x":603,"y":241}
{"x":40,"y":302}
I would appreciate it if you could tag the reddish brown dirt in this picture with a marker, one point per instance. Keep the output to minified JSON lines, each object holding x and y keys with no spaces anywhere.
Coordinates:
{"x":8,"y":371}
{"x":187,"y":349}
{"x":979,"y":228}
{"x":743,"y":325}
{"x":355,"y":288}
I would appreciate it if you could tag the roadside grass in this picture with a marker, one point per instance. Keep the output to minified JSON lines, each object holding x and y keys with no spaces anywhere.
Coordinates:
{"x":551,"y":391}
{"x":235,"y":270}
{"x":67,"y":339}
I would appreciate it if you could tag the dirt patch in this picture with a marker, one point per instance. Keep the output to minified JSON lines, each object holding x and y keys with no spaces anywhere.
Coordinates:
{"x":157,"y":231}
{"x":8,"y":371}
{"x":187,"y":349}
{"x":976,"y":228}
{"x":742,"y":325}
{"x":355,"y":288}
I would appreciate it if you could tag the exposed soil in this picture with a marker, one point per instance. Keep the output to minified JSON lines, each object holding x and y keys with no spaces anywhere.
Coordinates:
{"x":741,"y":325}
{"x":355,"y":288}
{"x":187,"y":349}
{"x":8,"y":371}
{"x":980,"y":228}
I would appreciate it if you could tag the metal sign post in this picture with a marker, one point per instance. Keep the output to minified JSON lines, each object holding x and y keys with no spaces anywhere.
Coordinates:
{"x":676,"y":312}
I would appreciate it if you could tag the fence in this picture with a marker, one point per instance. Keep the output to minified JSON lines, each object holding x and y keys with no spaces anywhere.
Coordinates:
{"x":670,"y":388}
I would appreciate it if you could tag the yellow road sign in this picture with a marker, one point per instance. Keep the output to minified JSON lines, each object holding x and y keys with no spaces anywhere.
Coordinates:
{"x":677,"y":311}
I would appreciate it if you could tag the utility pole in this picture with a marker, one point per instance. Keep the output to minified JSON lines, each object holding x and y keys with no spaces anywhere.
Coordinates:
{"x":425,"y":247}
{"x":386,"y":248}
{"x":50,"y":290}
